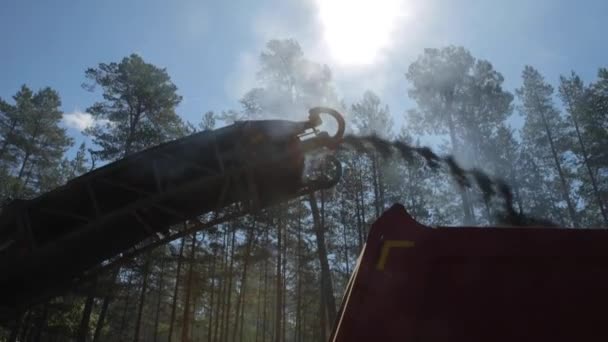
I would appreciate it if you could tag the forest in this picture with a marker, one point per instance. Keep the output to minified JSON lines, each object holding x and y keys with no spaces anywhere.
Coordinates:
{"x":279,"y":275}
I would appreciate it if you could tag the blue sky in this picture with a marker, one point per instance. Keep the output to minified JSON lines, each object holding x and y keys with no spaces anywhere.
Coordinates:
{"x":210,"y":48}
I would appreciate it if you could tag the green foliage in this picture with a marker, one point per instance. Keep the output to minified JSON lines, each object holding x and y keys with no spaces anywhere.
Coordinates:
{"x":581,"y":104}
{"x":459,"y":95}
{"x":290,"y":84}
{"x":208,"y":122}
{"x":369,"y":117}
{"x":595,"y":121}
{"x":546,"y":137}
{"x":138,"y":110}
{"x":33,"y":143}
{"x":65,"y":320}
{"x":438,"y":77}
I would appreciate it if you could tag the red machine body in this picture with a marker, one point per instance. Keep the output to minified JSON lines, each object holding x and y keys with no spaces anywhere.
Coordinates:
{"x":417,"y":283}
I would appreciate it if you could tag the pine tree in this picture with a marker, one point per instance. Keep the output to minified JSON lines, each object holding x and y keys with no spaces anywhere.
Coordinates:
{"x":370,"y":118}
{"x":573,"y":95}
{"x":594,"y":124}
{"x":138,"y":108}
{"x":461,"y":96}
{"x":544,"y":132}
{"x":208,"y":122}
{"x":33,"y":143}
{"x":289,"y":83}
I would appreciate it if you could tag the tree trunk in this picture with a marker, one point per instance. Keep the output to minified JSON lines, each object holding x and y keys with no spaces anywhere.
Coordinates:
{"x":19,"y":186}
{"x":27,"y":155}
{"x":142,"y":296}
{"x":242,"y":320}
{"x":83,"y":330}
{"x":265,"y":301}
{"x":219,"y":322}
{"x":28,"y":150}
{"x":101,"y":319}
{"x":211,"y":296}
{"x":15,"y":330}
{"x":515,"y":186}
{"x":26,"y":158}
{"x":241,"y":316}
{"x":375,"y":184}
{"x":380,"y":182}
{"x":187,"y":292}
{"x":552,"y":200}
{"x":596,"y":192}
{"x":469,"y":216}
{"x":132,"y":128}
{"x":258,"y":309}
{"x":41,"y":324}
{"x":322,"y":316}
{"x":558,"y":166}
{"x":28,"y":177}
{"x":488,"y":212}
{"x":159,"y":298}
{"x":192,"y":317}
{"x":326,"y":283}
{"x":218,"y":306}
{"x":26,"y":326}
{"x":176,"y":288}
{"x":241,"y":298}
{"x":359,"y":221}
{"x":303,"y":324}
{"x":226,"y":320}
{"x":284,"y":290}
{"x":298,"y":326}
{"x":7,"y":139}
{"x":279,"y":287}
{"x":363,"y":237}
{"x":123,"y":321}
{"x":104,"y":307}
{"x":344,"y":236}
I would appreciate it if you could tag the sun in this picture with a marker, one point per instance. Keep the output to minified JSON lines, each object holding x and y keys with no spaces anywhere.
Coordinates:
{"x":357,"y":30}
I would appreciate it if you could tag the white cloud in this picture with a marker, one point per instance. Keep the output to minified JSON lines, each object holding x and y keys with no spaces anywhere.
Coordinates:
{"x":80,"y":120}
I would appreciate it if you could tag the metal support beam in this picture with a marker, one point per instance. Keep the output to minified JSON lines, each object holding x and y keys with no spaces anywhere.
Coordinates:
{"x":93,"y":199}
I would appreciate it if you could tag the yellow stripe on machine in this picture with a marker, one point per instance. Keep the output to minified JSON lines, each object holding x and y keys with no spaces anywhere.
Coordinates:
{"x":386,"y":247}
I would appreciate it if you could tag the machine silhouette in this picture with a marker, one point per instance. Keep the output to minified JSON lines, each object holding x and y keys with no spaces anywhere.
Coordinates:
{"x":117,"y":211}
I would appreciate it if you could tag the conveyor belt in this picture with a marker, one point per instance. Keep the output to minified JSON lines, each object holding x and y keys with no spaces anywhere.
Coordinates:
{"x":144,"y":200}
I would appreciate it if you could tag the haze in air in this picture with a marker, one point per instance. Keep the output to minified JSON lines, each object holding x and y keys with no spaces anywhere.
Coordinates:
{"x":516,"y":92}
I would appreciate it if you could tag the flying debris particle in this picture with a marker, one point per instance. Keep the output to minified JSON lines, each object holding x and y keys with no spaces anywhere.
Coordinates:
{"x":490,"y":187}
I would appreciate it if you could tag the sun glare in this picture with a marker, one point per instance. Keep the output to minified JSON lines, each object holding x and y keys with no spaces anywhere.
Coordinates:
{"x":356,"y":30}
